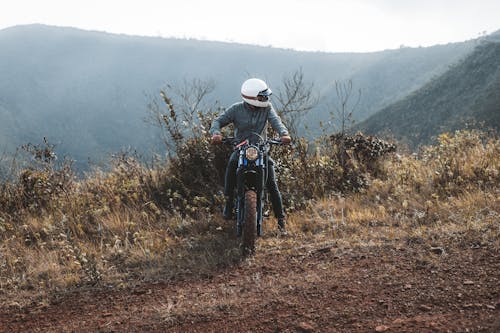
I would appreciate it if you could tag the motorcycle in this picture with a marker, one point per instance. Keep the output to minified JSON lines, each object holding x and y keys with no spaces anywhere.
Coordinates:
{"x":251,"y":179}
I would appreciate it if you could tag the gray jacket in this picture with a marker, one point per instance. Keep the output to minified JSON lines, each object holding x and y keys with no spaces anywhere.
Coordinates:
{"x":247,"y":121}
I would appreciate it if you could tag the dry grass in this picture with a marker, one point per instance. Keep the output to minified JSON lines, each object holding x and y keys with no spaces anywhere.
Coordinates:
{"x":123,"y":226}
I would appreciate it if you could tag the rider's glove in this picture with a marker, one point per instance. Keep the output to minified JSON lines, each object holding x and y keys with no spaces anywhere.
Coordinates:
{"x":285,"y":139}
{"x":216,"y":139}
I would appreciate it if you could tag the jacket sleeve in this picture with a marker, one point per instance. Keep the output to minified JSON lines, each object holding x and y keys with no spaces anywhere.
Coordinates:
{"x":276,"y":123}
{"x":222,"y":120}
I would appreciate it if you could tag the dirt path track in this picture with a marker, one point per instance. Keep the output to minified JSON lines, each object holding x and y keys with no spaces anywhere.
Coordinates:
{"x":320,"y":288}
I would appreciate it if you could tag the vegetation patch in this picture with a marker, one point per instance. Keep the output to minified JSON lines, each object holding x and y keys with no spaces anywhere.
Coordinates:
{"x":141,"y":223}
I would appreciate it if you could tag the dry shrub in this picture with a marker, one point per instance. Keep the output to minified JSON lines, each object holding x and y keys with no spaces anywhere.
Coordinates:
{"x":194,"y":179}
{"x":463,"y":160}
{"x":414,"y":205}
{"x":335,"y":165}
{"x":41,"y":184}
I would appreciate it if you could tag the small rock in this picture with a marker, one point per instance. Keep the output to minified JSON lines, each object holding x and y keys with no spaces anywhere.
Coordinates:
{"x":491,"y":307}
{"x":138,"y":292}
{"x":437,"y":250}
{"x":408,"y":286}
{"x":305,"y":327}
{"x":381,"y":328}
{"x":425,"y":307}
{"x":398,"y":321}
{"x":468,"y":282}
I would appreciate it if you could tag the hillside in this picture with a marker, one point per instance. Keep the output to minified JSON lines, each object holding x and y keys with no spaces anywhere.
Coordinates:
{"x":467,"y":95}
{"x":88,"y":91}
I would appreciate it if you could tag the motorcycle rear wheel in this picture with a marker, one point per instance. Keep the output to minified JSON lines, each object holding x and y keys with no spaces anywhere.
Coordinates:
{"x":250,"y":223}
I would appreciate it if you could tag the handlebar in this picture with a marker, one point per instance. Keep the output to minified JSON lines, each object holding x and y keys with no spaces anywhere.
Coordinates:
{"x":230,"y":141}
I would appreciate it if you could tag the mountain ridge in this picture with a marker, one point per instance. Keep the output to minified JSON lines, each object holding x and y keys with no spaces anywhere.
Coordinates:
{"x":188,"y":39}
{"x":87,"y":91}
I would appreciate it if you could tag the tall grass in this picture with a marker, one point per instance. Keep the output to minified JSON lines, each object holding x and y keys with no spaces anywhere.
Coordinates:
{"x":138,"y":222}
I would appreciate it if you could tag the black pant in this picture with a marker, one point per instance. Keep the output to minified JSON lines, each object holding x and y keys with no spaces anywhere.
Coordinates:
{"x":271,"y":184}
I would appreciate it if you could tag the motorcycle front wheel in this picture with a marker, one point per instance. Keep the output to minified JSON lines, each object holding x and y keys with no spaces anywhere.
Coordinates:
{"x":250,"y":223}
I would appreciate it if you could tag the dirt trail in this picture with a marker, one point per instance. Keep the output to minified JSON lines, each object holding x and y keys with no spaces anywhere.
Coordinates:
{"x":313,"y":288}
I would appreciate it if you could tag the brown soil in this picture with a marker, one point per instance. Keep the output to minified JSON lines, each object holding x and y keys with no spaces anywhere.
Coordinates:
{"x":318,"y":287}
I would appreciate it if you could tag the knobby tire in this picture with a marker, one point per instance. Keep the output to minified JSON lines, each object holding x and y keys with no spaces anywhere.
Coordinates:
{"x":250,"y":224}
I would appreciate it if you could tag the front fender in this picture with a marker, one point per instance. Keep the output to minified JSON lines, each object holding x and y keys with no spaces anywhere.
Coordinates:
{"x":251,"y":180}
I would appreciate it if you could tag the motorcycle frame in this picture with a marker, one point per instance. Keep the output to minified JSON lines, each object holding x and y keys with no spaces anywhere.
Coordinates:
{"x":251,"y":175}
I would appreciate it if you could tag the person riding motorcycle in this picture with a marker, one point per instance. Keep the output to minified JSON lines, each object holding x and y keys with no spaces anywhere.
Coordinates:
{"x":250,"y":117}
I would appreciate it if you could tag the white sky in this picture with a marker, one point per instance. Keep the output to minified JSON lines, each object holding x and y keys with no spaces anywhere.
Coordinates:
{"x":326,"y":25}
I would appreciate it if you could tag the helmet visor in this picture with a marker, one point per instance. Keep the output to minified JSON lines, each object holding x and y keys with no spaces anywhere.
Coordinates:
{"x":263,"y":96}
{"x":266,"y":92}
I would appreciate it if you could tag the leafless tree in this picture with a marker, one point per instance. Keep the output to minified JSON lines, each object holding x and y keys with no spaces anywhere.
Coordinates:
{"x":345,"y":106}
{"x":295,"y":100}
{"x":343,"y":110}
{"x":181,"y":111}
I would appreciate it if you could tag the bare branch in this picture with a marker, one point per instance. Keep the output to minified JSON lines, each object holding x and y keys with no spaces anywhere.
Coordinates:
{"x":295,"y":99}
{"x":184,"y":113}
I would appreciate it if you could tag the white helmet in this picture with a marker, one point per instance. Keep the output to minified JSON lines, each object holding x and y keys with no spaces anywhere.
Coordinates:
{"x":256,"y":92}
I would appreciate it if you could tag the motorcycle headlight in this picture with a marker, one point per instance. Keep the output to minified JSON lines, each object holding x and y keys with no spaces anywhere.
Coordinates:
{"x":251,"y":153}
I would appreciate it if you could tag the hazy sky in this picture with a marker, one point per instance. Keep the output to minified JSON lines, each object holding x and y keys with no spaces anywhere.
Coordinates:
{"x":327,"y":25}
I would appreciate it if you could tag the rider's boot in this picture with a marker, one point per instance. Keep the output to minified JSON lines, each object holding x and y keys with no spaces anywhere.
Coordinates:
{"x":282,"y":226}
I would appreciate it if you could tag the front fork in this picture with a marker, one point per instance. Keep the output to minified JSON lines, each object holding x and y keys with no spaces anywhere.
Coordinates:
{"x":249,"y":181}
